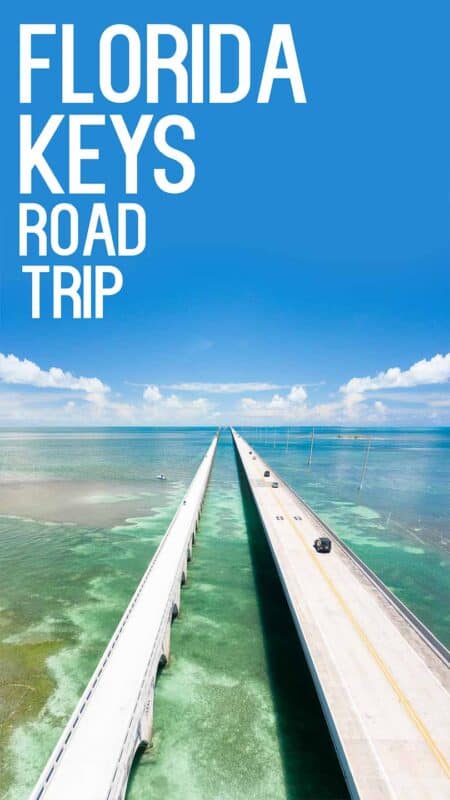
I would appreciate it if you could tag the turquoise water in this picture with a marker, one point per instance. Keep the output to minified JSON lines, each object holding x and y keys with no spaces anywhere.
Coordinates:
{"x":235,"y":714}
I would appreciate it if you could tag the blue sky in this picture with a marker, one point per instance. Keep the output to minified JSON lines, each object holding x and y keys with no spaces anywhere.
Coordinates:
{"x":313,"y":247}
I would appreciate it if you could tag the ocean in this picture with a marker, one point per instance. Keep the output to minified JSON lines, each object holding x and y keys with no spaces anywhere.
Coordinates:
{"x":236,"y":715}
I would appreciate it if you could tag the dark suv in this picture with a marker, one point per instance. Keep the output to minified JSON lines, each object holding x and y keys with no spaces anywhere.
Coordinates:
{"x":266,"y":473}
{"x":323,"y":545}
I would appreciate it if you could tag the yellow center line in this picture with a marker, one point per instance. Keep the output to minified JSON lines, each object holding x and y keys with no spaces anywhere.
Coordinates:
{"x":419,"y":724}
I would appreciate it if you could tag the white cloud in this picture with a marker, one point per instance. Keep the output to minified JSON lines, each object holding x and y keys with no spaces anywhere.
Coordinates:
{"x":172,"y":409}
{"x":435,"y":370}
{"x":14,"y":370}
{"x":248,"y":403}
{"x":152,"y":394}
{"x":380,"y":408}
{"x":297,"y":394}
{"x":288,"y":406}
{"x":224,"y":388}
{"x":94,"y":403}
{"x":88,"y":401}
{"x":293,"y":408}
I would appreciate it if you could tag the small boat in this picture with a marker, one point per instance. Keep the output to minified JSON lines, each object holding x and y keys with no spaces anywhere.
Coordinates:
{"x":161,"y":476}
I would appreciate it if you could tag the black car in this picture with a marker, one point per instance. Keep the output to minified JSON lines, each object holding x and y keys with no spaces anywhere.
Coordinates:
{"x":323,"y":545}
{"x":267,"y":473}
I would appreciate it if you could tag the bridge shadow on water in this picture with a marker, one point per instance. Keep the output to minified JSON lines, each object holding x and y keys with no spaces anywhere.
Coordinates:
{"x":310,"y":764}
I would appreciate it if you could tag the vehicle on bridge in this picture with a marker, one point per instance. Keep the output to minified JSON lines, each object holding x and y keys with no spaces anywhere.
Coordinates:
{"x":275,"y":485}
{"x":267,"y":473}
{"x":323,"y":544}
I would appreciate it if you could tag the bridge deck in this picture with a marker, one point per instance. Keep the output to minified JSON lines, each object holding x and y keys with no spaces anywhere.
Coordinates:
{"x":93,"y":757}
{"x":384,"y":692}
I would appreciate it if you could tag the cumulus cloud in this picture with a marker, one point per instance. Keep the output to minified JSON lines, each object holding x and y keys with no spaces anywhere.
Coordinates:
{"x":351,"y":406}
{"x":172,"y":409}
{"x":89,"y":401}
{"x":14,"y":370}
{"x":93,"y":403}
{"x":288,"y":406}
{"x":248,"y":403}
{"x":84,"y":401}
{"x":224,"y":388}
{"x":152,"y":394}
{"x":380,"y":408}
{"x":435,"y":370}
{"x":294,"y":408}
{"x":297,"y":394}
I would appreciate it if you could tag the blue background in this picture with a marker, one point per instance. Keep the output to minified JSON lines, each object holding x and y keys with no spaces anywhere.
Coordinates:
{"x":313,"y":245}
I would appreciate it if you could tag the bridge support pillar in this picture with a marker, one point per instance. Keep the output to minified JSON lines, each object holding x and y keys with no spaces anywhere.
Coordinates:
{"x":146,"y":723}
{"x":166,"y":647}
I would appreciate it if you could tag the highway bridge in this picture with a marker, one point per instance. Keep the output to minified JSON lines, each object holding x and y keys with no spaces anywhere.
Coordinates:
{"x":381,"y":677}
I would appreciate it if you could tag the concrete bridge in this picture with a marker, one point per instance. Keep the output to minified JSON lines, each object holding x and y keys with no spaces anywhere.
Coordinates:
{"x":113,"y":718}
{"x":381,"y":677}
